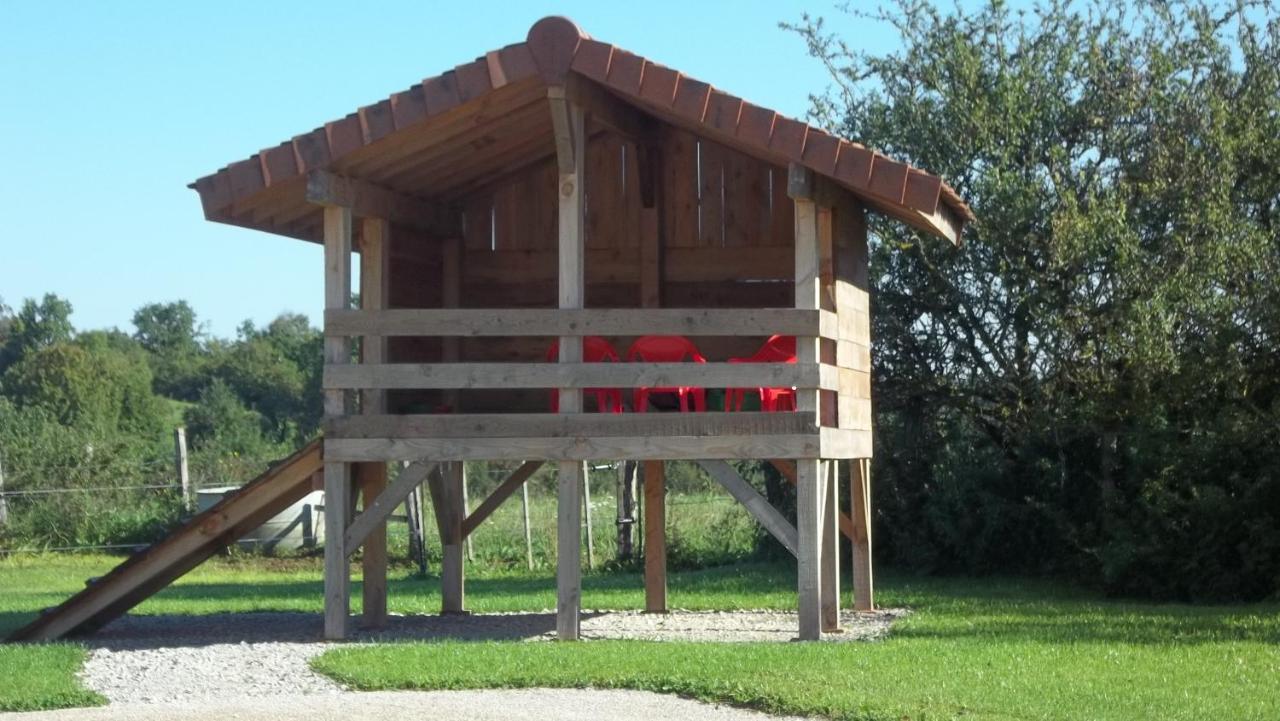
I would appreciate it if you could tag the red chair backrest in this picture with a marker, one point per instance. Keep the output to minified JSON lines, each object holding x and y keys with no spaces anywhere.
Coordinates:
{"x":594,"y":350}
{"x":779,"y":348}
{"x":664,"y":349}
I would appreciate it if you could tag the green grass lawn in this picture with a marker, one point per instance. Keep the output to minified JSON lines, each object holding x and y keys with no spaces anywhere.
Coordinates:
{"x":985,"y":649}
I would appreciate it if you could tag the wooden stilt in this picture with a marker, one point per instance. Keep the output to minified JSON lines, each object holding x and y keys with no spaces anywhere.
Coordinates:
{"x":830,"y":548}
{"x":337,"y":476}
{"x":569,"y":551}
{"x":375,"y":257}
{"x":446,"y":498}
{"x":860,"y":493}
{"x":809,"y":502}
{"x":373,"y":481}
{"x":655,"y":537}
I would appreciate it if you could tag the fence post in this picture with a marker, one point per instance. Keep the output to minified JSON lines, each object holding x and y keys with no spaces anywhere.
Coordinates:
{"x":4,"y":501}
{"x":586,"y":511}
{"x":180,"y":461}
{"x":528,"y":535}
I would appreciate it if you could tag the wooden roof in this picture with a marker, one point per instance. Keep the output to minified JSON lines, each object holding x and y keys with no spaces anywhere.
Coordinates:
{"x":455,"y":132}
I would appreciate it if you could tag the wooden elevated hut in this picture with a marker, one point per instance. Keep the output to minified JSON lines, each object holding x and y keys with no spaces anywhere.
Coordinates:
{"x":562,"y":188}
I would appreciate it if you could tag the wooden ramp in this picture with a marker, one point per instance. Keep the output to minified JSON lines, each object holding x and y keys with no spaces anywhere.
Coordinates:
{"x":155,"y":567}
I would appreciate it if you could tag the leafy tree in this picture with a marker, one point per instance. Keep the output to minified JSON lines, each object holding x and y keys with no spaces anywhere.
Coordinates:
{"x":36,"y":326}
{"x":171,"y":335}
{"x":1091,"y":384}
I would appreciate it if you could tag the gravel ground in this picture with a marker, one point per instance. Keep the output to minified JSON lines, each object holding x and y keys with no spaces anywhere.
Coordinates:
{"x":150,"y":666}
{"x":496,"y":705}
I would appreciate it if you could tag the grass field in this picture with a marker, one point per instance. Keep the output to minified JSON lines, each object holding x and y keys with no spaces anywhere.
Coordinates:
{"x":986,"y":649}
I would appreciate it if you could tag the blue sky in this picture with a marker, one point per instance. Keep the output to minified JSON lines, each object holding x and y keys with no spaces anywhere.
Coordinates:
{"x":109,"y":109}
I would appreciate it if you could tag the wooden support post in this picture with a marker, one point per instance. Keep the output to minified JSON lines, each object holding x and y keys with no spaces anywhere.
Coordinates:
{"x":569,"y":124}
{"x":417,"y":530}
{"x":830,"y":547}
{"x":4,"y":500}
{"x":810,"y":479}
{"x":466,"y":511}
{"x":337,"y":481}
{"x":375,"y":256}
{"x":626,"y":495}
{"x":809,"y":497}
{"x":528,"y":531}
{"x":860,"y":494}
{"x":180,"y":467}
{"x":586,"y":514}
{"x":446,"y":497}
{"x":655,"y":537}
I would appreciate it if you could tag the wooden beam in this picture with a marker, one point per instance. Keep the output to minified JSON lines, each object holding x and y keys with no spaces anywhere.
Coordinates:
{"x":375,"y":259}
{"x":446,"y":498}
{"x":830,"y":548}
{"x":787,"y":469}
{"x":860,"y":492}
{"x":809,"y":498}
{"x":570,"y":132}
{"x":608,"y":109}
{"x":376,"y":513}
{"x":369,"y":200}
{"x":575,"y":375}
{"x":757,"y":505}
{"x":539,"y":322}
{"x":573,"y":449}
{"x":566,"y":425}
{"x":499,"y":495}
{"x":337,"y":475}
{"x":655,"y":537}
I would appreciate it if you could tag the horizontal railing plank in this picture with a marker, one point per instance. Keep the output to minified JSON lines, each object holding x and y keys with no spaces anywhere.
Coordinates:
{"x":592,"y":321}
{"x":568,"y":425}
{"x":579,"y":375}
{"x":354,"y":450}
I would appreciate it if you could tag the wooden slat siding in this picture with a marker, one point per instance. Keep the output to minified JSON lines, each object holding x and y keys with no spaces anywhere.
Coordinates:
{"x":566,"y":425}
{"x":853,"y":331}
{"x":888,"y":179}
{"x":408,"y":107}
{"x":575,"y":375}
{"x":808,"y":274}
{"x":375,"y":259}
{"x":377,"y":121}
{"x":655,"y":536}
{"x":679,"y":189}
{"x":828,"y":398}
{"x":599,"y":223}
{"x":711,"y":195}
{"x":757,"y":505}
{"x":477,"y":155}
{"x":591,"y":321}
{"x":860,"y":495}
{"x":809,"y":502}
{"x":477,"y":212}
{"x":337,"y":292}
{"x":648,"y":200}
{"x":782,"y":217}
{"x":831,"y":547}
{"x":746,"y":207}
{"x":499,"y":494}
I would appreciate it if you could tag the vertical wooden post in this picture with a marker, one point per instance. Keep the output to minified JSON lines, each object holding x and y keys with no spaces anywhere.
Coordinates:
{"x":810,"y":491}
{"x":180,"y":466}
{"x":528,"y":532}
{"x":655,"y":537}
{"x":831,"y":547}
{"x":374,"y":281}
{"x":860,"y":493}
{"x":337,"y":295}
{"x":466,"y":511}
{"x":570,"y":135}
{"x":417,"y":531}
{"x":626,"y":509}
{"x":586,"y":514}
{"x":449,"y":517}
{"x":4,"y":500}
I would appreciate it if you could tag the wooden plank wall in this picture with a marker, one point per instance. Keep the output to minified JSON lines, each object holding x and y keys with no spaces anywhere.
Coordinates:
{"x":726,"y":233}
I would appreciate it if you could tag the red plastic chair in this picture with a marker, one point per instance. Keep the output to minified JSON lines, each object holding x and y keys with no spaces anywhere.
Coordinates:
{"x":778,"y":349}
{"x":594,"y":350}
{"x":667,"y":349}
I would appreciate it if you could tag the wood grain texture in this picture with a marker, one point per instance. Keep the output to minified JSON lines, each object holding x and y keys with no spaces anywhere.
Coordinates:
{"x":757,"y":505}
{"x":809,"y":501}
{"x":582,"y":448}
{"x":655,"y":536}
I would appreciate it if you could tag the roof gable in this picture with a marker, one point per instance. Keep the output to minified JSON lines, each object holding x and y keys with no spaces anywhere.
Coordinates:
{"x":458,"y":105}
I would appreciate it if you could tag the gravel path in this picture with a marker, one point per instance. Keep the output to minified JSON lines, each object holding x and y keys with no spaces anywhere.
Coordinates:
{"x":495,"y":705}
{"x":193,"y":666}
